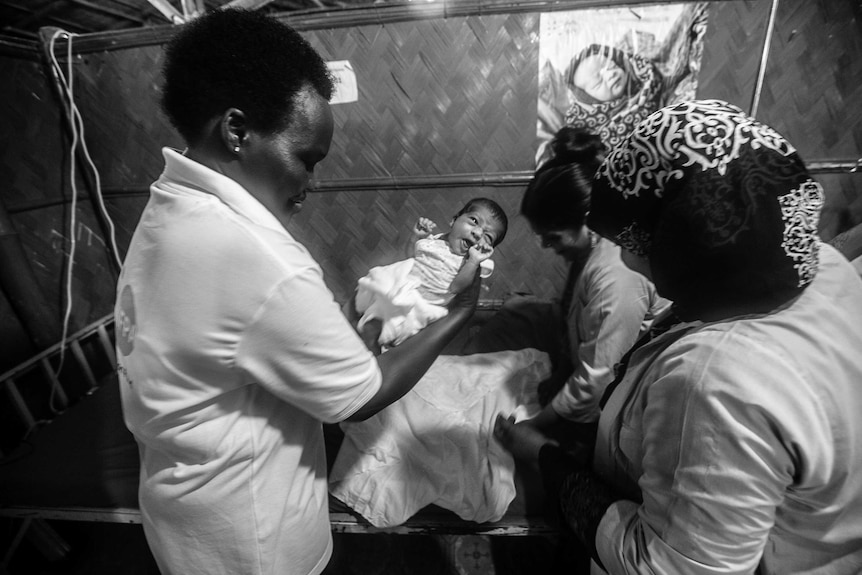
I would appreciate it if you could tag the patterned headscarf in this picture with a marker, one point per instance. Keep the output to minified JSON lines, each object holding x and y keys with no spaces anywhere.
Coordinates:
{"x":720,"y":204}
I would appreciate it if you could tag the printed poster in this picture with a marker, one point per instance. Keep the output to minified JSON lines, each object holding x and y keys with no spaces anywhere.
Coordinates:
{"x":606,"y":69}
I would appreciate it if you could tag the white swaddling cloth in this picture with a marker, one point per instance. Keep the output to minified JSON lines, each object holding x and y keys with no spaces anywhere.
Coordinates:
{"x":435,"y":445}
{"x":390,"y":293}
{"x":408,"y":295}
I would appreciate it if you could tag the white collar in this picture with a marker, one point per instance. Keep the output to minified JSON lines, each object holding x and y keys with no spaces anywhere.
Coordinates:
{"x":183,"y":171}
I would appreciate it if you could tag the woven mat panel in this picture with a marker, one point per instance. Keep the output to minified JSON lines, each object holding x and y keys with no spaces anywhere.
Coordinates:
{"x":731,"y":51}
{"x":813,"y":88}
{"x":812,"y":91}
{"x":448,"y":96}
{"x":350,"y":232}
{"x":435,"y":97}
{"x":118,"y":96}
{"x":46,"y":238}
{"x":444,"y":96}
{"x":34,"y":167}
{"x":32,"y":136}
{"x":843,"y":208}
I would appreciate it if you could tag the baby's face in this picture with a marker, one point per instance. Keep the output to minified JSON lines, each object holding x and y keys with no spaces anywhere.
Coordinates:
{"x":477,"y":226}
{"x":600,"y":77}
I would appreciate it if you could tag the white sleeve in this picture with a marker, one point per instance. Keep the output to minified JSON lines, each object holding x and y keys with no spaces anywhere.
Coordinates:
{"x":302,"y":349}
{"x":715,"y":433}
{"x":616,"y":303}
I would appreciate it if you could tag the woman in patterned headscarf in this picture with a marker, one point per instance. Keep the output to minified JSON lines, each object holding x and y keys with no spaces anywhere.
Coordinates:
{"x":731,"y":443}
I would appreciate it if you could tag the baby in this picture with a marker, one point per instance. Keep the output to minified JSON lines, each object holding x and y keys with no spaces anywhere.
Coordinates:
{"x":397,"y":300}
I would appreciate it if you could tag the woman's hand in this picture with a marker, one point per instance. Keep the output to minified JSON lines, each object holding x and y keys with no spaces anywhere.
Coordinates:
{"x":522,"y":440}
{"x":467,"y":298}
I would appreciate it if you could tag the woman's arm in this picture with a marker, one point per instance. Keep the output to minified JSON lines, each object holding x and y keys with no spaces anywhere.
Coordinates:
{"x":566,"y":477}
{"x":475,"y":256}
{"x":708,"y":446}
{"x":617,"y":300}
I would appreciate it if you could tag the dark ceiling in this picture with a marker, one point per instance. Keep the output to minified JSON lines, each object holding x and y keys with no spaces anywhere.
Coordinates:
{"x":21,"y":19}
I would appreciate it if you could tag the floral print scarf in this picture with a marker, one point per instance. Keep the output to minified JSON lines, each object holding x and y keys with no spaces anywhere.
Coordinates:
{"x":721,"y":205}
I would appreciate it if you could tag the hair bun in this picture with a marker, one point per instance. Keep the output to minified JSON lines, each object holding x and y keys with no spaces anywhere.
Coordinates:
{"x":577,"y":145}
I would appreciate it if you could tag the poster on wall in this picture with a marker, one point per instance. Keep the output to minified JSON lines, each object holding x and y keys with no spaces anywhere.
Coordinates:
{"x":606,"y":69}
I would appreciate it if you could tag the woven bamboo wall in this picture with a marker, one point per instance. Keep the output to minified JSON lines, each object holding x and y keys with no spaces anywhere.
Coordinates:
{"x":436,"y":98}
{"x":34,"y":187}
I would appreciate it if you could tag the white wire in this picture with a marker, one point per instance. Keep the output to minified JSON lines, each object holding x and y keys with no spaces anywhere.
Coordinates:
{"x":77,"y":127}
{"x":72,"y":220}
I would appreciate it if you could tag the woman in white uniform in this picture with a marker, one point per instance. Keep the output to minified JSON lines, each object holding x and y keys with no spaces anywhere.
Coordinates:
{"x":732,"y":443}
{"x":231,"y":349}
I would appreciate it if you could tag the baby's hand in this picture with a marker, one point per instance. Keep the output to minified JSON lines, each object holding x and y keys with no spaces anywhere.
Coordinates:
{"x":424,"y":227}
{"x":479,"y":252}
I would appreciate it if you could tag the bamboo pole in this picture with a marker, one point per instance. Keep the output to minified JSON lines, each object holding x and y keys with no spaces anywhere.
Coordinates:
{"x":764,"y":58}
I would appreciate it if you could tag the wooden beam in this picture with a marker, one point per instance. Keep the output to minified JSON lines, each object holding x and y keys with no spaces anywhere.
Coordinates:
{"x":106,"y":10}
{"x":168,"y":11}
{"x":246,"y":4}
{"x":339,"y":522}
{"x":43,"y":13}
{"x":19,"y":48}
{"x":370,"y":14}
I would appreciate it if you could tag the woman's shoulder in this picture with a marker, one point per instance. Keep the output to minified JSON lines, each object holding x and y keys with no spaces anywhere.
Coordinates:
{"x":739,"y":357}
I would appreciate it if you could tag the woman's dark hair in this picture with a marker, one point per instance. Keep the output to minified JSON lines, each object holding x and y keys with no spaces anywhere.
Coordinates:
{"x":242,"y":59}
{"x":496,"y":212}
{"x":558,"y":196}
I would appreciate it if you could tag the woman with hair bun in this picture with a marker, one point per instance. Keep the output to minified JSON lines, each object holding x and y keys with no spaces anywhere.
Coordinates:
{"x":604,"y":306}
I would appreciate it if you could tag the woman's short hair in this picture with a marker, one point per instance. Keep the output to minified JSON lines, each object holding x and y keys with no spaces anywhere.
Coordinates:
{"x":241,"y":59}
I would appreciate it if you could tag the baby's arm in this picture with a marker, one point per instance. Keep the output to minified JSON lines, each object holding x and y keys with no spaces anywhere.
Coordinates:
{"x":475,"y":255}
{"x":422,"y":229}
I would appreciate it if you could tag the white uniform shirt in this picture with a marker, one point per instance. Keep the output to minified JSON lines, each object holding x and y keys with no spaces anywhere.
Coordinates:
{"x":231,"y":352}
{"x":745,"y":439}
{"x":611,"y":307}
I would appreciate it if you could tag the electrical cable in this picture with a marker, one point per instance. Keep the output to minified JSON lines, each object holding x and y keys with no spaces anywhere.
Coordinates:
{"x":77,"y":127}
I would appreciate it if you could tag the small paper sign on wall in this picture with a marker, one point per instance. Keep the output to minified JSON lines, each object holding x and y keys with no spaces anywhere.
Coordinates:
{"x":345,"y":82}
